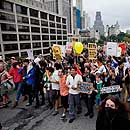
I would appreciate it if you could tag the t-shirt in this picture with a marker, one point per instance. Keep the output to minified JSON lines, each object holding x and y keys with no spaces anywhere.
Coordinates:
{"x":55,"y":77}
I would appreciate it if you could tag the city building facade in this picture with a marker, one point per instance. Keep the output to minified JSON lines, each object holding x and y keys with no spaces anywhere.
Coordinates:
{"x":113,"y":30}
{"x":26,"y":27}
{"x":63,"y":8}
{"x":98,"y":24}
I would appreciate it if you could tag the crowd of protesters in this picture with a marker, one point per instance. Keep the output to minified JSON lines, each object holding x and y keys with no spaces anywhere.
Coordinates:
{"x":58,"y":84}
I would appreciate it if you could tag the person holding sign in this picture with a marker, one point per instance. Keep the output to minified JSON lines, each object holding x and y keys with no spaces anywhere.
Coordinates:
{"x":89,"y":97}
{"x":74,"y":95}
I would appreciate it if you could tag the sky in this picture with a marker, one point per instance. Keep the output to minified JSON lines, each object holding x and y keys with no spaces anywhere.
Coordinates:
{"x":112,"y":11}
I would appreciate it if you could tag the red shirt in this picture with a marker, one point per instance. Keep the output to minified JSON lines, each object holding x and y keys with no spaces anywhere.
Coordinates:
{"x":16,"y":76}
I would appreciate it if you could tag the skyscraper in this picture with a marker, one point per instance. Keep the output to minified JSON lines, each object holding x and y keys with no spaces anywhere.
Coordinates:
{"x":98,"y":24}
{"x":62,"y":7}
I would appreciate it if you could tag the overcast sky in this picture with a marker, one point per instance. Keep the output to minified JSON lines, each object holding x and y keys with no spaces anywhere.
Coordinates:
{"x":112,"y":11}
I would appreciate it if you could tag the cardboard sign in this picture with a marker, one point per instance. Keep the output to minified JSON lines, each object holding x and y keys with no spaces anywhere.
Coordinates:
{"x":112,"y":49}
{"x":110,"y":89}
{"x":57,"y":52}
{"x":85,"y":87}
{"x":92,"y":51}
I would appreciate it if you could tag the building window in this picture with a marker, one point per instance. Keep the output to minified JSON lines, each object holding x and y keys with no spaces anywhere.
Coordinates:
{"x":64,"y":26}
{"x":37,"y":52}
{"x":7,"y":17}
{"x":64,"y":43}
{"x":44,"y":23}
{"x":45,"y":44}
{"x":45,"y":30}
{"x":45,"y":37}
{"x":37,"y":45}
{"x":8,"y":27}
{"x":23,"y":37}
{"x":10,"y":47}
{"x":51,"y":17}
{"x":25,"y":46}
{"x":52,"y":24}
{"x":35,"y":29}
{"x":21,"y":9}
{"x":5,"y":5}
{"x":64,"y":37}
{"x":58,"y":25}
{"x":52,"y":37}
{"x":22,"y":20}
{"x":64,"y":32}
{"x":9,"y":37}
{"x":43,"y":15}
{"x":59,"y":43}
{"x":46,"y":51}
{"x":63,"y":20}
{"x":34,"y":21}
{"x":58,"y":19}
{"x":36,"y":37}
{"x":52,"y":31}
{"x":24,"y":54}
{"x":23,"y":28}
{"x":59,"y":37}
{"x":8,"y":56}
{"x":58,"y":31}
{"x":33,"y":13}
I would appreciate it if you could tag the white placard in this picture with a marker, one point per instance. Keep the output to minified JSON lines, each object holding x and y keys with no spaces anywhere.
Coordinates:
{"x":30,"y":54}
{"x":112,"y":49}
{"x":110,"y":89}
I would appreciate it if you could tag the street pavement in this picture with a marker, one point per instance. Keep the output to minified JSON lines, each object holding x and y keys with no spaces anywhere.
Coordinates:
{"x":29,"y":118}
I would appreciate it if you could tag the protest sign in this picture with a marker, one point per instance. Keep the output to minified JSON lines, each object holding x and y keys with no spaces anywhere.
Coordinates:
{"x":30,"y":54}
{"x":110,"y":89}
{"x":85,"y":87}
{"x":57,"y":52}
{"x":112,"y":49}
{"x":92,"y":51}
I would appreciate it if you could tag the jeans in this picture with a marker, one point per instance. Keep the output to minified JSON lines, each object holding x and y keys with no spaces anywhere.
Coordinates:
{"x":74,"y":100}
{"x":19,"y":87}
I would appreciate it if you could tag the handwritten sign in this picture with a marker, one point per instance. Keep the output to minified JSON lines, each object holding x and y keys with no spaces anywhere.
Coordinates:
{"x":85,"y":87}
{"x":92,"y":51}
{"x":110,"y":89}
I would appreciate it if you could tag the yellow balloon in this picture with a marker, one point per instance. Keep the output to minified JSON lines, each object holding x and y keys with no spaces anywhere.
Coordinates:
{"x":78,"y":47}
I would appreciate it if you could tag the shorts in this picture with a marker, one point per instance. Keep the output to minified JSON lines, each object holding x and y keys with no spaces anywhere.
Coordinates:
{"x":64,"y":101}
{"x":55,"y":94}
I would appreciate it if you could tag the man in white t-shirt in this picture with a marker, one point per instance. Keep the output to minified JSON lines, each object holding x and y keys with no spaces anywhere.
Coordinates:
{"x":74,"y":95}
{"x":55,"y":88}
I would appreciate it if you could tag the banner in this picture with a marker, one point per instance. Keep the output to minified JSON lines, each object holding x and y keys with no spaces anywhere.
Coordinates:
{"x":85,"y":87}
{"x":123,"y":47}
{"x":110,"y":89}
{"x":92,"y":51}
{"x":57,"y":52}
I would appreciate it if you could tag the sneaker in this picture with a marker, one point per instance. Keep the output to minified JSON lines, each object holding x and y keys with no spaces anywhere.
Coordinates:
{"x":86,"y":114}
{"x":71,"y":120}
{"x":28,"y":104}
{"x":55,"y":113}
{"x":63,"y":116}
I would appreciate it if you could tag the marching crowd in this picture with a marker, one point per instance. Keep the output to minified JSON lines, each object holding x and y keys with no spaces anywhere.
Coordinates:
{"x":58,"y":84}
